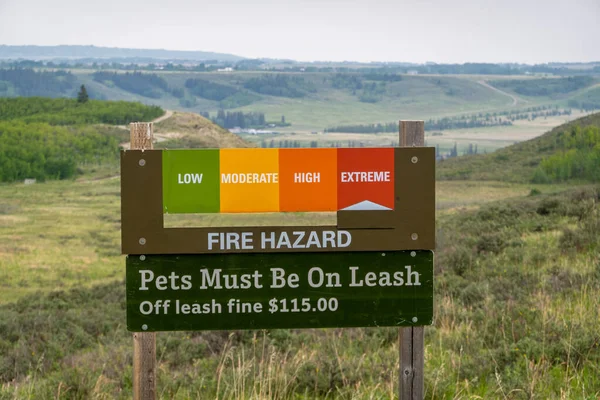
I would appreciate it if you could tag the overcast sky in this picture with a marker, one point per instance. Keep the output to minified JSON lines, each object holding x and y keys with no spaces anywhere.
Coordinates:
{"x":454,"y":31}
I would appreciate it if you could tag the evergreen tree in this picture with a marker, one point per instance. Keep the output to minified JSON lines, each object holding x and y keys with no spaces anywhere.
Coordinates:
{"x":454,"y":151}
{"x":82,"y":96}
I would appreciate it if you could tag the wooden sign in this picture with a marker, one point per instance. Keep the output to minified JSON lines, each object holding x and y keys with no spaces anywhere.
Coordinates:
{"x":349,"y":274}
{"x":384,"y":198}
{"x":272,"y":291}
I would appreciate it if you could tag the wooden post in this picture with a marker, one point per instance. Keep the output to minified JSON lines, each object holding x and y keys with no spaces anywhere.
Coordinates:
{"x":144,"y":343}
{"x":411,"y":343}
{"x":140,"y":135}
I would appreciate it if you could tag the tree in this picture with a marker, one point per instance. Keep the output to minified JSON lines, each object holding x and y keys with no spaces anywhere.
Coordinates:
{"x":454,"y":151}
{"x":82,"y":96}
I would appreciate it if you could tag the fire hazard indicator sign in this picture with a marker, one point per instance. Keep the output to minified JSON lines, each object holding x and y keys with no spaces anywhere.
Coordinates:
{"x":277,"y":180}
{"x":384,"y":198}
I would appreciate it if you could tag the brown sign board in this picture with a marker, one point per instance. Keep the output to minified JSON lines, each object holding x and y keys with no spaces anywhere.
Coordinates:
{"x":410,"y":225}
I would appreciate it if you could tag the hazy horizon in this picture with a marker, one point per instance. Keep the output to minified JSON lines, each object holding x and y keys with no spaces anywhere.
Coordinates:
{"x":307,"y":61}
{"x":515,"y":31}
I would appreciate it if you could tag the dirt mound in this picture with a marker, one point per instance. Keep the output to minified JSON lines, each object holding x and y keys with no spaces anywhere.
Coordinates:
{"x":190,"y":130}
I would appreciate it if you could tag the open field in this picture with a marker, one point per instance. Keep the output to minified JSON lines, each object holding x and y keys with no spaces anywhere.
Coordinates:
{"x":65,"y":234}
{"x":58,"y":235}
{"x":487,"y":139}
{"x":516,"y":311}
{"x":418,"y":97}
{"x":414,"y":97}
{"x":315,"y":101}
{"x":519,"y":162}
{"x":494,"y":138}
{"x":459,"y":196}
{"x":516,"y":307}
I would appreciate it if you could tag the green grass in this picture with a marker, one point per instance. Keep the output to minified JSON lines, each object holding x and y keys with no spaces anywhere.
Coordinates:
{"x":459,"y":196}
{"x":517,"y":298}
{"x":587,"y":98}
{"x":545,"y":87}
{"x":411,"y":98}
{"x":70,"y":112}
{"x":487,"y":139}
{"x":58,"y":236}
{"x":415,"y":97}
{"x":45,"y":138}
{"x":515,"y":163}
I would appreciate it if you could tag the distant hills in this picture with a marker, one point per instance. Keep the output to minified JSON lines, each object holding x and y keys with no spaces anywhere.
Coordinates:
{"x":310,"y":101}
{"x":76,"y":52}
{"x":569,"y":151}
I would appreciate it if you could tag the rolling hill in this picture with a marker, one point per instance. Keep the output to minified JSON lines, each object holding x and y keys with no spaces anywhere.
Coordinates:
{"x":188,"y":130}
{"x":46,"y":139}
{"x":519,"y":162}
{"x":76,"y":51}
{"x":310,"y":101}
{"x":517,"y":302}
{"x":517,"y":283}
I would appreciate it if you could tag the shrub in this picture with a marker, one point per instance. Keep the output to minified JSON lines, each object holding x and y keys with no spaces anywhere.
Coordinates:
{"x":534,"y":192}
{"x":41,"y":151}
{"x":70,"y":112}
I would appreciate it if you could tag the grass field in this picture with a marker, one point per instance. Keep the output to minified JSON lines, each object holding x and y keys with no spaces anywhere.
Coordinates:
{"x":516,"y":310}
{"x":487,"y":139}
{"x":58,"y":236}
{"x":66,"y":234}
{"x":515,"y":163}
{"x":414,"y":97}
{"x":516,"y":307}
